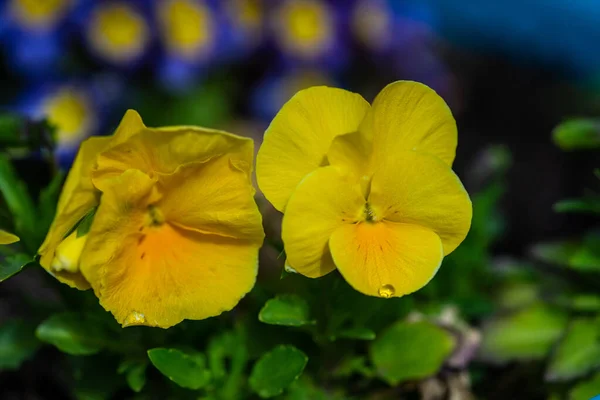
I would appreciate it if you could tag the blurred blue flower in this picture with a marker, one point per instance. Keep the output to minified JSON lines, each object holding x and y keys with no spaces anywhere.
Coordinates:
{"x":118,"y":32}
{"x":77,"y":110}
{"x":278,"y":87}
{"x":245,"y":21}
{"x":309,"y":32}
{"x":192,"y":38}
{"x":34,"y":34}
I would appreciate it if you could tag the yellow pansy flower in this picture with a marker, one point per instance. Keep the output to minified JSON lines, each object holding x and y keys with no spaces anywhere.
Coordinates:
{"x":175,"y":232}
{"x":7,"y":237}
{"x":367,"y":189}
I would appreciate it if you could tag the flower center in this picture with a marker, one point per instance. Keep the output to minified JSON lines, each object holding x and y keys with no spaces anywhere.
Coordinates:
{"x":118,"y":32}
{"x":187,"y":27}
{"x":369,"y":213}
{"x":154,"y":217}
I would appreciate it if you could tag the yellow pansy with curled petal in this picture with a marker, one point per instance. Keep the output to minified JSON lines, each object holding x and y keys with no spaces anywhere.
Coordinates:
{"x":367,"y":189}
{"x":172,"y":230}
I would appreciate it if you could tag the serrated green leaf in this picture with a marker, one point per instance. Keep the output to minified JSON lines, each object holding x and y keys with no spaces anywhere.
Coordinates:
{"x":578,"y":352}
{"x":357,"y":333}
{"x":17,"y":343}
{"x":287,"y":309}
{"x":577,"y":134}
{"x":135,"y":374}
{"x":586,"y":390}
{"x":276,"y":370}
{"x":186,"y":369}
{"x":13,"y":264}
{"x":75,"y":333}
{"x":410,"y":350}
{"x":528,"y":334}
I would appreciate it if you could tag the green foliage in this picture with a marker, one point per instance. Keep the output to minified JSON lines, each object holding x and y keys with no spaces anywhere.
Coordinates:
{"x":578,"y":352}
{"x":187,"y":369}
{"x":17,"y":343}
{"x":586,"y":389}
{"x":583,"y":255}
{"x":276,"y":370}
{"x":288,"y":310}
{"x":424,"y":349}
{"x":577,"y":134}
{"x":135,"y":373}
{"x":526,"y":335}
{"x":76,"y":334}
{"x":13,"y":264}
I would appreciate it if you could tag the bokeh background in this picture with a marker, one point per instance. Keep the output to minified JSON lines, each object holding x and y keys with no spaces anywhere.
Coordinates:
{"x":511,"y":71}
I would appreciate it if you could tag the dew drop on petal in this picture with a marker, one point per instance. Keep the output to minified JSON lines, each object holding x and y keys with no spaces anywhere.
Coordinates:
{"x":386,"y":291}
{"x":134,"y":318}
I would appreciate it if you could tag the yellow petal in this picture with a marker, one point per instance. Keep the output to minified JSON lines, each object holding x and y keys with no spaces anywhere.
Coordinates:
{"x":159,"y":274}
{"x":420,"y":189}
{"x":7,"y":237}
{"x":410,"y":116}
{"x":386,"y":259}
{"x":130,"y":125}
{"x":297,"y":141}
{"x":212,"y":197}
{"x":163,"y":150}
{"x":321,"y":203}
{"x":68,"y":253}
{"x":77,"y":198}
{"x":351,"y":154}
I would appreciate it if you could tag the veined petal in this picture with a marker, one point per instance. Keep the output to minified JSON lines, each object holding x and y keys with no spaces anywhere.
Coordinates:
{"x":386,"y":259}
{"x":212,"y":197}
{"x":7,"y":237}
{"x":149,"y":272}
{"x":78,"y":197}
{"x":408,"y":115}
{"x":420,"y":189}
{"x":163,"y":150}
{"x":321,"y":203}
{"x":297,"y":141}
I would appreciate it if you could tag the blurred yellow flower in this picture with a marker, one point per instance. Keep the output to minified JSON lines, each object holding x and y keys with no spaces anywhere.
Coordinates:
{"x":368,"y":190}
{"x":160,"y":222}
{"x":7,"y":237}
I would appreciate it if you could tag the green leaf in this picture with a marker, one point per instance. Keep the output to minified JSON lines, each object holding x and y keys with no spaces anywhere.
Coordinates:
{"x":276,"y":370}
{"x":287,"y":309}
{"x":186,"y":369}
{"x":410,"y":350}
{"x":577,"y":134}
{"x":353,"y":365}
{"x":47,"y":202}
{"x":75,"y":333}
{"x":585,"y":302}
{"x":19,"y":203}
{"x":13,"y":264}
{"x":586,"y":390}
{"x":584,"y":205}
{"x":17,"y":343}
{"x":578,"y":352}
{"x":228,"y":346}
{"x":135,"y":374}
{"x":357,"y":333}
{"x":580,"y":255}
{"x":528,"y":334}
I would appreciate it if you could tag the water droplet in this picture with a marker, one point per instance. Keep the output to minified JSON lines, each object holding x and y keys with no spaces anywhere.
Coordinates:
{"x":289,"y":269}
{"x":386,"y":291}
{"x":135,"y":318}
